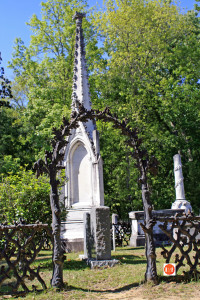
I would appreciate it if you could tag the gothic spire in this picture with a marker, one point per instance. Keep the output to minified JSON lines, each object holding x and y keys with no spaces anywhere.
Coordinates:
{"x":80,"y":79}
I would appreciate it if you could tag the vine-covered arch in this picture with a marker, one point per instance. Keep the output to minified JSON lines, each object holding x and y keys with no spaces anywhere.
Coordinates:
{"x":53,"y":163}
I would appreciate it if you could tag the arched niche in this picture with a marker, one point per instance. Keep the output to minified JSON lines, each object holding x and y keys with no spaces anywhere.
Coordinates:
{"x":81,"y":175}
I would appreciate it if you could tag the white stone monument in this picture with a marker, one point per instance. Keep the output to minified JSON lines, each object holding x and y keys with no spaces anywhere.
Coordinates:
{"x":181,"y":202}
{"x":84,"y":166}
{"x":137,"y":234}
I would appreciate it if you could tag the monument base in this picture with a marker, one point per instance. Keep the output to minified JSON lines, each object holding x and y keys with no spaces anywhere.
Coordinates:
{"x":137,"y":241}
{"x":95,"y":264}
{"x":182,"y":204}
{"x":72,"y":231}
{"x":75,"y":245}
{"x":137,"y":235}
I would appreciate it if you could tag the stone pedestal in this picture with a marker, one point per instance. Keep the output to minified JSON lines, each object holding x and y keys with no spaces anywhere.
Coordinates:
{"x":137,"y":235}
{"x":72,"y":233}
{"x":94,"y":264}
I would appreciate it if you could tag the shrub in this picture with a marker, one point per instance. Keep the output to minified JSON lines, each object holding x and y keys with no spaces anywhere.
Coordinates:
{"x":22,"y":195}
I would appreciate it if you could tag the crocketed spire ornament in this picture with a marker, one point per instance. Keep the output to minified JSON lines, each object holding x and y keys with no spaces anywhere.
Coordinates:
{"x":80,"y":93}
{"x":82,"y":160}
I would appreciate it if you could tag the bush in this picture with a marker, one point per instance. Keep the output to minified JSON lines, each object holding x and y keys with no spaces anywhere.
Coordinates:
{"x":22,"y":195}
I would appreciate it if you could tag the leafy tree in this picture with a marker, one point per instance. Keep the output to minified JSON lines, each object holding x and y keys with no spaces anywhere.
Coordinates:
{"x":152,"y":76}
{"x":5,"y":88}
{"x":151,"y":70}
{"x":9,"y":127}
{"x":44,"y":69}
{"x":24,"y":196}
{"x":121,"y":188}
{"x":15,"y":148}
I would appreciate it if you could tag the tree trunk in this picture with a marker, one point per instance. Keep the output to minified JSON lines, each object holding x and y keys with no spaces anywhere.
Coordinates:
{"x":151,"y":272}
{"x":58,"y":257}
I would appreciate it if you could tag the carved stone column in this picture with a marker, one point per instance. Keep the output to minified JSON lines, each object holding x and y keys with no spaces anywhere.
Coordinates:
{"x":180,"y":202}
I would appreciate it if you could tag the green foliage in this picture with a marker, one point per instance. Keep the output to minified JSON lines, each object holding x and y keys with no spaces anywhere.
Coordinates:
{"x":5,"y":88}
{"x":9,"y":165}
{"x":122,"y":191}
{"x":152,"y":78}
{"x":147,"y":70}
{"x":44,"y":69}
{"x":24,"y":196}
{"x":13,"y":138}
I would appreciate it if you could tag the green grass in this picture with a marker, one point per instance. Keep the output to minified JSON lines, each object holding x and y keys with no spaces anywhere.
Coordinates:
{"x":110,"y":283}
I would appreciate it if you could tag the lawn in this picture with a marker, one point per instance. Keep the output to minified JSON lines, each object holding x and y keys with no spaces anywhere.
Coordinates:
{"x":124,"y":281}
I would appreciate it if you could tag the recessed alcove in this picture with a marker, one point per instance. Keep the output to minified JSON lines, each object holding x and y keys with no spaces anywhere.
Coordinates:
{"x":81,"y":177}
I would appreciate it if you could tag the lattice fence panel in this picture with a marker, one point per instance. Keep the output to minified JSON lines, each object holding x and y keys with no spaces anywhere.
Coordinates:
{"x":184,"y":234}
{"x":122,"y":233}
{"x":19,"y":247}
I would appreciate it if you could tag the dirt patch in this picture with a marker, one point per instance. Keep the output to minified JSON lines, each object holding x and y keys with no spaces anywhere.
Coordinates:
{"x":166,"y":291}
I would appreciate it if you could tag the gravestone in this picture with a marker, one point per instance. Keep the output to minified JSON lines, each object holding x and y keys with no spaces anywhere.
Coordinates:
{"x":100,"y":230}
{"x":180,"y":206}
{"x":84,"y":166}
{"x":88,"y":242}
{"x":97,"y":242}
{"x":180,"y":202}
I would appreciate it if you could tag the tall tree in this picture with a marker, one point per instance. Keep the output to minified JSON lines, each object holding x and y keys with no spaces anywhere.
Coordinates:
{"x":9,"y":128}
{"x":151,"y":71}
{"x":44,"y":69}
{"x":153,"y":75}
{"x":5,"y":88}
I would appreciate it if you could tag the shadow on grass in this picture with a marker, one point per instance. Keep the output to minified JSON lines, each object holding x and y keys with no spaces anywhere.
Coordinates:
{"x":68,"y":264}
{"x":185,"y":278}
{"x":118,"y":290}
{"x":130,"y":248}
{"x":41,"y":254}
{"x":130,"y":259}
{"x":75,"y":265}
{"x":176,"y":279}
{"x":46,"y":263}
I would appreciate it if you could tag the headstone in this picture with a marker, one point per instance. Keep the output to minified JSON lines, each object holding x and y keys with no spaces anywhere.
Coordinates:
{"x":180,"y":202}
{"x":114,"y":218}
{"x":87,"y":236}
{"x":97,"y":238}
{"x":100,"y":229}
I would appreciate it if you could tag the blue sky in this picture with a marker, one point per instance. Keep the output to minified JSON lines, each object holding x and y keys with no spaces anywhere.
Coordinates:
{"x":15,"y":14}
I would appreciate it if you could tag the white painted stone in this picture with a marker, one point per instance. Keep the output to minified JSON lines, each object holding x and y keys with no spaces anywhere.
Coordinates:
{"x":180,"y":202}
{"x":178,"y":175}
{"x":84,"y":166}
{"x":81,"y":175}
